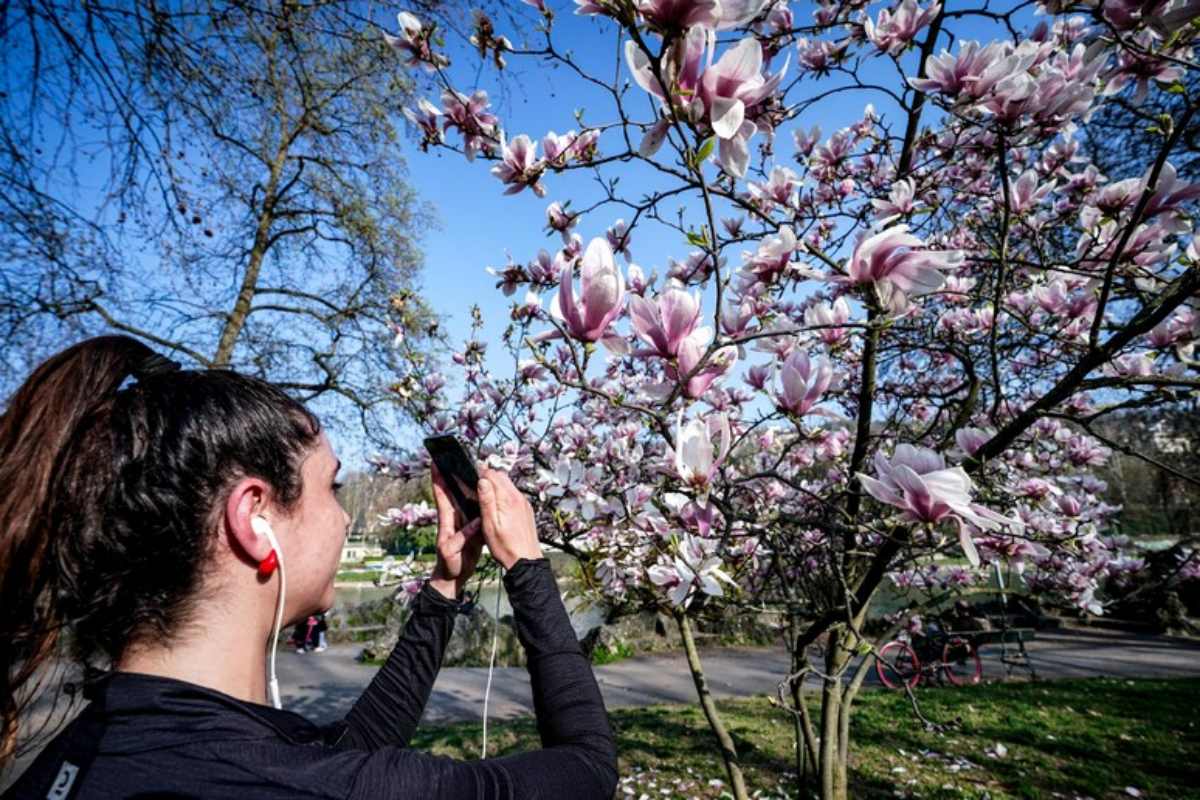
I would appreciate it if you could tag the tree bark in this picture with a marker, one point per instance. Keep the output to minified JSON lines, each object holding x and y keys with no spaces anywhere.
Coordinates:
{"x":807,"y":761}
{"x":728,"y":752}
{"x":236,"y":319}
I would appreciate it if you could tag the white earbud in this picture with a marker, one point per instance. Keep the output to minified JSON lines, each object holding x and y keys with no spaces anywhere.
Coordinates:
{"x":263,"y":528}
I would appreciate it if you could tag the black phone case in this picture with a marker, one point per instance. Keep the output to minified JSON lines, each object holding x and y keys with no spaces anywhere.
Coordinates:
{"x":453,"y":461}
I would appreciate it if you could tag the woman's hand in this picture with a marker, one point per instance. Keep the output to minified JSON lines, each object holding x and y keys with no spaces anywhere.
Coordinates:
{"x":458,"y":545}
{"x":507,"y":519}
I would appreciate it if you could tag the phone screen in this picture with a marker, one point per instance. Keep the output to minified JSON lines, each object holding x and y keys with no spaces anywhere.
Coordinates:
{"x":458,"y":471}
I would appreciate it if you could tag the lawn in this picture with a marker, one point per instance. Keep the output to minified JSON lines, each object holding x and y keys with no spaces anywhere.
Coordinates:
{"x":356,"y":577}
{"x":1097,"y":738}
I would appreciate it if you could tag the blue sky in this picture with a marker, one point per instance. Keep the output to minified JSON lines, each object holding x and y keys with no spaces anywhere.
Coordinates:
{"x":480,"y":225}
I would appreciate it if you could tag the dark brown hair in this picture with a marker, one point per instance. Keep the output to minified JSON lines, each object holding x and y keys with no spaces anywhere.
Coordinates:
{"x":108,"y":497}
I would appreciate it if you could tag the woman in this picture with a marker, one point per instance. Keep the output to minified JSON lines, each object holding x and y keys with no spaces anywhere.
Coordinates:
{"x":137,"y":522}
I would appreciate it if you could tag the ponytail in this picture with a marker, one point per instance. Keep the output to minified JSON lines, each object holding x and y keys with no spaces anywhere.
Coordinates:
{"x":108,"y":494}
{"x":37,"y":424}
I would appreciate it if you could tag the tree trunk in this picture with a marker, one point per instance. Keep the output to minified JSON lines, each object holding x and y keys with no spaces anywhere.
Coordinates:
{"x":728,"y":752}
{"x":835,"y":722}
{"x":236,"y":319}
{"x":806,"y":738}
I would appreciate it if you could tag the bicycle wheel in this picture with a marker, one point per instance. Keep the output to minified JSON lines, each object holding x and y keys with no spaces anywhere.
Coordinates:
{"x":897,"y":665}
{"x":961,"y":663}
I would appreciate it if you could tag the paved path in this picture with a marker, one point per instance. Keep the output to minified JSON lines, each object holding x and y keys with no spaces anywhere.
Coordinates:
{"x":323,"y":686}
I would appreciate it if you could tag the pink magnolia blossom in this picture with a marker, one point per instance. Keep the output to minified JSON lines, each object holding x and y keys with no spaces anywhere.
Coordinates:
{"x":1055,"y":91}
{"x":1013,"y":549}
{"x":819,"y":56}
{"x":727,"y":89}
{"x":601,"y":296}
{"x":1037,"y":489}
{"x":559,"y":219}
{"x":1170,"y":192}
{"x":805,"y":142}
{"x":896,"y":29}
{"x":1069,"y":505}
{"x":779,"y":190}
{"x":655,"y":135}
{"x":917,"y":481}
{"x":414,"y":41}
{"x":952,"y":75}
{"x":1057,"y":299}
{"x":1131,"y":365}
{"x":691,"y":350}
{"x":666,"y":321}
{"x":893,"y":261}
{"x":680,"y":67}
{"x":639,"y":284}
{"x":758,"y":375}
{"x":618,"y":239}
{"x":970,"y":440}
{"x":772,"y":259}
{"x":425,"y":117}
{"x":1164,"y":16}
{"x":900,"y":201}
{"x":1140,"y":68}
{"x":470,"y":115}
{"x":683,"y":14}
{"x":410,"y":515}
{"x":558,"y":147}
{"x":736,"y":316}
{"x":695,"y":460}
{"x":804,"y":381}
{"x":585,"y":146}
{"x":696,"y":268}
{"x":1025,"y":192}
{"x":694,"y":567}
{"x":520,"y":167}
{"x":572,"y":486}
{"x":408,"y":572}
{"x":825,"y":318}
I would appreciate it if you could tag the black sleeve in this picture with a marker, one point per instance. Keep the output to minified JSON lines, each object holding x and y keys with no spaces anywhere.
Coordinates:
{"x":388,"y":711}
{"x":579,"y":756}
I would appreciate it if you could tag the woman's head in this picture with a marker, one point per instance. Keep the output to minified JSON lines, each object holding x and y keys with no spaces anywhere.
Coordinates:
{"x":126,"y":507}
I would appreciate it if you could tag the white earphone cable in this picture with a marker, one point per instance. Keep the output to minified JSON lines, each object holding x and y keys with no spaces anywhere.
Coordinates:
{"x":492,"y":661}
{"x":273,"y":682}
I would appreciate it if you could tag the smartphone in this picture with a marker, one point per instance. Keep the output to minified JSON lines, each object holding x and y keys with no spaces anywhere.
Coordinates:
{"x":458,"y":471}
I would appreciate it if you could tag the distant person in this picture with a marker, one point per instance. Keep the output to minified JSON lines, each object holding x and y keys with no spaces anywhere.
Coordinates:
{"x":162,"y":533}
{"x":322,"y":626}
{"x":300,"y":636}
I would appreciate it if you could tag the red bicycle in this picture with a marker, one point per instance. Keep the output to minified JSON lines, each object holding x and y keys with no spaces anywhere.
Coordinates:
{"x":946,"y":657}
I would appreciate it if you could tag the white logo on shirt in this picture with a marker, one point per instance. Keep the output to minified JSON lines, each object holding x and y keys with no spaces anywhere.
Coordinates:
{"x":62,"y":781}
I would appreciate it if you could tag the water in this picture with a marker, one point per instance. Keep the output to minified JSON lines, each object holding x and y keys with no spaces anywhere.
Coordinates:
{"x":347,"y":595}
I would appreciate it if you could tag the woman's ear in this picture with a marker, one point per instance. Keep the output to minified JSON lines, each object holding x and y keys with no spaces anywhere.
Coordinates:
{"x":247,"y":499}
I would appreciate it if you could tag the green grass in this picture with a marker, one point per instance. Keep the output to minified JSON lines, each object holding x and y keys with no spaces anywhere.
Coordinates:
{"x":601,"y":654}
{"x":1064,"y":739}
{"x":355,"y":577}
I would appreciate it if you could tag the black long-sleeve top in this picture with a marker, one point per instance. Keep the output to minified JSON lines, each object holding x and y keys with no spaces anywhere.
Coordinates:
{"x":150,"y":736}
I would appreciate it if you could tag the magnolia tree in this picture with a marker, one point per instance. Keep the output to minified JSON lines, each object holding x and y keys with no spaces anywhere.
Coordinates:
{"x":882,"y":349}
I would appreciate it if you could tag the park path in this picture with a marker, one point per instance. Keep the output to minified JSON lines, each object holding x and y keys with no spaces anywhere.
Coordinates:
{"x":323,"y":686}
